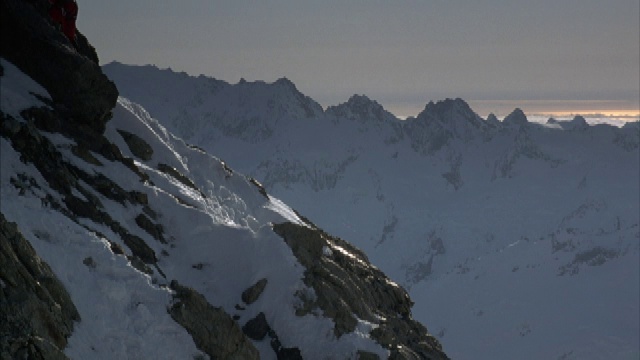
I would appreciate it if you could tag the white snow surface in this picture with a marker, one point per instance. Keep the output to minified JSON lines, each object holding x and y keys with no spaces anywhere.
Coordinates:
{"x":515,"y":242}
{"x":220,"y":242}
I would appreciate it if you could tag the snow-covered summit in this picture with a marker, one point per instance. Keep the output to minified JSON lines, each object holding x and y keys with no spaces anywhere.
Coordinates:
{"x":363,"y":110}
{"x":251,"y":111}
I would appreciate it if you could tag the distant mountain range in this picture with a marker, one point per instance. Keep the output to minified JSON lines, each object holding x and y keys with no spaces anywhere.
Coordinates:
{"x":120,"y":241}
{"x":515,"y":239}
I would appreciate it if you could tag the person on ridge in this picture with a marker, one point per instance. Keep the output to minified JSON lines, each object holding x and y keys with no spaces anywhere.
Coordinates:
{"x":64,"y":13}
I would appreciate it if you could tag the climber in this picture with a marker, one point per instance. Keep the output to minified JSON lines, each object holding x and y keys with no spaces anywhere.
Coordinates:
{"x":64,"y":14}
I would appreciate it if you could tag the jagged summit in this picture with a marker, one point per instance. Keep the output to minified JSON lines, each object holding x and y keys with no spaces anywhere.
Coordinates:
{"x":362,"y":109}
{"x":492,"y":120}
{"x":516,"y":118}
{"x":251,"y":111}
{"x":441,"y":122}
{"x":451,"y":111}
{"x":577,"y":123}
{"x":284,"y":81}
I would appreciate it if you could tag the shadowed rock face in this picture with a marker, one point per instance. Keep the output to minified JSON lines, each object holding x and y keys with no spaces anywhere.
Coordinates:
{"x":346,"y":285}
{"x":71,"y":75}
{"x":36,"y":312}
{"x":212,"y":329}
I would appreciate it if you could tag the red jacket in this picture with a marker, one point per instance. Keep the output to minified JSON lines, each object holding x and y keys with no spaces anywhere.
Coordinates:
{"x":65,"y":12}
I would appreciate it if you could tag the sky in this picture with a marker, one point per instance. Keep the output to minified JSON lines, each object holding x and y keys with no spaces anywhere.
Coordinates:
{"x":547,"y":57}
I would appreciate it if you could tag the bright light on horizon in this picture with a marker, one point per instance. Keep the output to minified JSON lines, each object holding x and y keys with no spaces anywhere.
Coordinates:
{"x":596,"y":111}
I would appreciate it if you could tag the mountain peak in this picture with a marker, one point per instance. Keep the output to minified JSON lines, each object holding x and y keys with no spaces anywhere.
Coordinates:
{"x":283,"y":81}
{"x":361,"y":108}
{"x":362,"y":102}
{"x":493,"y":120}
{"x":517,"y":117}
{"x":454,"y":114}
{"x":579,"y":122}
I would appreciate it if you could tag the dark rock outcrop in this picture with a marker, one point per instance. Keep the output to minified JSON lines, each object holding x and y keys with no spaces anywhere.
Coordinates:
{"x":64,"y":178}
{"x":70,"y":75}
{"x":212,"y":329}
{"x":36,"y":312}
{"x":346,"y":285}
{"x":252,"y":294}
{"x":258,"y":328}
{"x":138,"y":147}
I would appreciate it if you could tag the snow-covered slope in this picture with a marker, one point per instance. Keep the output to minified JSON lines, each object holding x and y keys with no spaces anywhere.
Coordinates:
{"x":139,"y":244}
{"x":524,"y":236}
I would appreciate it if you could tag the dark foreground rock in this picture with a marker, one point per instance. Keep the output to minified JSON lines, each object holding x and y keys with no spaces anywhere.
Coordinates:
{"x":36,"y":312}
{"x":70,"y":74}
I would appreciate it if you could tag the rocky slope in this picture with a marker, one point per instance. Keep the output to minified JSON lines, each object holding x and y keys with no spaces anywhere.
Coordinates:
{"x":118,"y":240}
{"x":524,"y":226}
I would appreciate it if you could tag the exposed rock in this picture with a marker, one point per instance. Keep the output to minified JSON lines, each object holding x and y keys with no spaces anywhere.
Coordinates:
{"x":346,"y":285}
{"x":252,"y":294}
{"x":36,"y":311}
{"x":212,"y":329}
{"x":287,"y":353}
{"x":84,"y":154}
{"x":152,"y":229}
{"x":169,"y":170}
{"x":138,"y":147}
{"x":365,"y":355}
{"x":261,"y":188}
{"x":89,"y":262}
{"x":139,"y":248}
{"x":139,"y":265}
{"x":419,"y":271}
{"x":256,"y":328}
{"x":63,"y":177}
{"x":592,"y":257}
{"x":74,"y":80}
{"x":453,"y":176}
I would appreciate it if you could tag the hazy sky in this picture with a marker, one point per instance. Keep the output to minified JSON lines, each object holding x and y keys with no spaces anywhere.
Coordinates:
{"x":400,"y":53}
